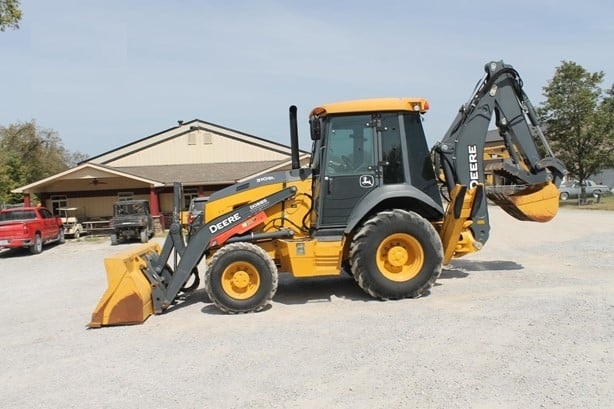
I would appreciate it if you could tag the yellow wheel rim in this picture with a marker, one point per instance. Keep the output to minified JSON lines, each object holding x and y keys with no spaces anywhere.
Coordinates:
{"x":240,"y":280}
{"x":400,"y":257}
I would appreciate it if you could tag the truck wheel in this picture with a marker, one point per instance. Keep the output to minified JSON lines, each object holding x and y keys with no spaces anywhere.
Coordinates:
{"x":241,"y":277}
{"x":37,"y":247}
{"x":396,"y":254}
{"x":143,"y":236}
{"x":114,"y":239}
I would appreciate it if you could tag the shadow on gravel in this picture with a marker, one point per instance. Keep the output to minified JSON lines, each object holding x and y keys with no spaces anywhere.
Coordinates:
{"x":25,"y":252}
{"x":6,"y":253}
{"x":292,"y":291}
{"x":461,"y":266}
{"x":448,"y":273}
{"x":186,"y":299}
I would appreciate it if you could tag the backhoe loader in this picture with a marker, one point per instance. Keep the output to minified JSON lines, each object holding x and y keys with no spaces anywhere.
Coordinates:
{"x":370,"y":203}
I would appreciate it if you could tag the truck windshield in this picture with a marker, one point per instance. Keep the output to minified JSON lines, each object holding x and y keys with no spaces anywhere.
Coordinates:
{"x":129,"y":208}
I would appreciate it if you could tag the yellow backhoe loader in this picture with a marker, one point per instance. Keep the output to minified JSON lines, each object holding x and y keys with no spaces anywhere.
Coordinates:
{"x":369,"y":203}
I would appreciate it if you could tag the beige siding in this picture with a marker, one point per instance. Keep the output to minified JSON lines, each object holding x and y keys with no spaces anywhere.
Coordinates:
{"x":166,"y":202}
{"x":181,"y":150}
{"x":94,"y":207}
{"x":119,"y":184}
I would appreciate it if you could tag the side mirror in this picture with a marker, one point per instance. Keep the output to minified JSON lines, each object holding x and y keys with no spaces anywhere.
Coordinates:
{"x":314,"y":125}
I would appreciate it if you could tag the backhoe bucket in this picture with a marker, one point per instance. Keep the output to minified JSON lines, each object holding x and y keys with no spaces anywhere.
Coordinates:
{"x":128,"y":299}
{"x":537,"y":203}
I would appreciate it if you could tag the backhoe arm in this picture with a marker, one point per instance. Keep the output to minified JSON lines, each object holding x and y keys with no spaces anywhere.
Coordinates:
{"x":460,"y":154}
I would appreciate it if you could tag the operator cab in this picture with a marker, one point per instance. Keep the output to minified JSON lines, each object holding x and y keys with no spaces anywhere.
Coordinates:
{"x":365,"y":150}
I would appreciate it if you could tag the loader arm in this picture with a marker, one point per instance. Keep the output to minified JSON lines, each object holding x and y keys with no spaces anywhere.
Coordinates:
{"x":142,"y":282}
{"x":459,"y":156}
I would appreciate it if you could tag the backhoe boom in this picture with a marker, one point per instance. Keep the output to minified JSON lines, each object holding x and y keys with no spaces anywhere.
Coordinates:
{"x":460,"y":153}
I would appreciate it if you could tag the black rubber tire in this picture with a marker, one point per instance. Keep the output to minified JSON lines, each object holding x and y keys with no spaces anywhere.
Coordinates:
{"x":77,"y":234}
{"x":37,"y":247}
{"x":62,"y":237}
{"x":564,"y":196}
{"x":245,"y":259}
{"x":143,"y":236}
{"x":415,"y":235}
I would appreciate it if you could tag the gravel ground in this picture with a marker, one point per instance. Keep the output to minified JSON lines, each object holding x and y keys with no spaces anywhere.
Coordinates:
{"x":528,"y":322}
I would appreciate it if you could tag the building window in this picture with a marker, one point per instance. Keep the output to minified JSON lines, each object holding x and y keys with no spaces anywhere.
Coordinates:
{"x":121,"y":196}
{"x":188,"y":194}
{"x":58,"y":201}
{"x":207,"y":138}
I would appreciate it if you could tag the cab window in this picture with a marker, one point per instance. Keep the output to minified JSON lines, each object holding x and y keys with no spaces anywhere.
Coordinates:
{"x":349,"y":145}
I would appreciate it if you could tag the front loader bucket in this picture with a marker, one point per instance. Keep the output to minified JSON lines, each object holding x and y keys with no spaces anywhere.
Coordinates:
{"x":128,"y":299}
{"x":537,"y":203}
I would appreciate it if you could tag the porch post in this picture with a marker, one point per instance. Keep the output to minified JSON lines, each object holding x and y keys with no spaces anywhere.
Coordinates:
{"x":154,"y":208}
{"x":154,"y":202}
{"x":26,"y":200}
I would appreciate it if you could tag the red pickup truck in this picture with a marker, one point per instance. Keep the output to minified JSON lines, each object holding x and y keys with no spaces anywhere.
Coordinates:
{"x":29,"y":227}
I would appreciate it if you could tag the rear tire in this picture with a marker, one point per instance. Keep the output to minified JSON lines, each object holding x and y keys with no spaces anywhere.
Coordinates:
{"x":396,"y":254}
{"x":37,"y":247}
{"x":240,"y":278}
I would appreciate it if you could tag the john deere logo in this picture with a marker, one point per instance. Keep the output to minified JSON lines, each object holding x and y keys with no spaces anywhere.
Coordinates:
{"x":367,"y":181}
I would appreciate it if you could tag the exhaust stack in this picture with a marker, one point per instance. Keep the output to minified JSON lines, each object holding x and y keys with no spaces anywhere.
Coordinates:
{"x":296,"y":164}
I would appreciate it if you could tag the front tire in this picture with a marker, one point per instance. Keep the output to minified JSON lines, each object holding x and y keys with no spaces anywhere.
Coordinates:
{"x":240,"y":278}
{"x":396,"y":254}
{"x":62,"y":237}
{"x":564,"y":196}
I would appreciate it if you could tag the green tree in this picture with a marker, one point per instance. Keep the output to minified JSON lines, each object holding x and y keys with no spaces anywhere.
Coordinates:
{"x":579,"y":117}
{"x":29,"y":153}
{"x":10,"y":14}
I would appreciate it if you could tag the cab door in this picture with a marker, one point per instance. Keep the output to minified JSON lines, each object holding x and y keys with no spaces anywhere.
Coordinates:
{"x":349,"y":170}
{"x":49,"y":225}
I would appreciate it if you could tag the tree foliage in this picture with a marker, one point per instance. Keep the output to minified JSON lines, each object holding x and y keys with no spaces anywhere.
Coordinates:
{"x":29,"y":153}
{"x":579,"y":119}
{"x":10,"y":14}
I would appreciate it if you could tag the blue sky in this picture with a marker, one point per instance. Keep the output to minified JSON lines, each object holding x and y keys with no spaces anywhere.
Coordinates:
{"x":105,"y":73}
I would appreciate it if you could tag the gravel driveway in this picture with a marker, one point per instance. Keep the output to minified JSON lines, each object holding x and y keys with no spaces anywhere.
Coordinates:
{"x":528,"y":322}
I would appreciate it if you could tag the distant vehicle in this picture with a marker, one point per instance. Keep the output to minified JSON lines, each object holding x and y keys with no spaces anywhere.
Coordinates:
{"x":131,"y":220}
{"x":72,"y":227}
{"x":571,"y":189}
{"x":29,"y":227}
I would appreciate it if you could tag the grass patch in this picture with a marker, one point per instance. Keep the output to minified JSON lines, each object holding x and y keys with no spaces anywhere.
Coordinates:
{"x":606,"y":203}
